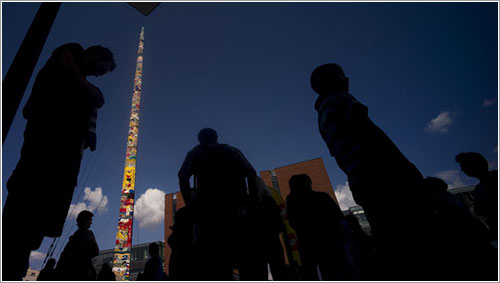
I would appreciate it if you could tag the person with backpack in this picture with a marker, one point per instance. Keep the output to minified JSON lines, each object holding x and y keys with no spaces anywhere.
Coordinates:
{"x":218,"y":199}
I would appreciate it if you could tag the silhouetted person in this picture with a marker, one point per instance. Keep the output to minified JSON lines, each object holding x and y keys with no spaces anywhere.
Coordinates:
{"x":106,"y":273}
{"x":219,"y":202}
{"x":458,"y":243}
{"x":47,"y":273}
{"x":153,"y":270}
{"x":263,"y":242}
{"x":475,"y":165}
{"x":75,"y":263}
{"x":321,"y":236}
{"x":362,"y":248}
{"x":380,"y":177}
{"x":61,"y":118}
{"x":183,"y":260}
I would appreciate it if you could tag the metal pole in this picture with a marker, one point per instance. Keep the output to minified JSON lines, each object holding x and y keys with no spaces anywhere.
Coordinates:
{"x":20,"y":71}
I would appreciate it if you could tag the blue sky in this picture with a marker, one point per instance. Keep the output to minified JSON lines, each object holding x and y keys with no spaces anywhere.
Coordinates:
{"x":428,"y":73}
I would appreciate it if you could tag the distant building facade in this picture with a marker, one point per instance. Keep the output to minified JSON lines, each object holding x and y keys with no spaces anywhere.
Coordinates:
{"x":315,"y":168}
{"x":360,"y":215}
{"x":139,"y":257}
{"x":465,"y":194}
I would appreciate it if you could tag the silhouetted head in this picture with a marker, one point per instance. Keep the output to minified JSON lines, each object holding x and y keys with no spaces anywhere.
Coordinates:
{"x":98,"y":61}
{"x":207,"y":136}
{"x":84,"y":219}
{"x":154,"y":249}
{"x":329,"y":79}
{"x":472,"y":164}
{"x":50,"y":263}
{"x":300,"y":183}
{"x":433,"y":185}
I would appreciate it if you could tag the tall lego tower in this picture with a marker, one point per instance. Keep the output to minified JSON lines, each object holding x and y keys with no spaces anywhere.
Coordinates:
{"x":123,"y":244}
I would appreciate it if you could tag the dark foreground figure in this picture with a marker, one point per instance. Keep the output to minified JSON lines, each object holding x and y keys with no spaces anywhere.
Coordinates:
{"x":460,"y":249}
{"x":475,"y":165}
{"x":380,"y":177}
{"x":106,"y":273}
{"x":75,"y":263}
{"x":219,"y":205}
{"x":321,"y":235}
{"x":153,"y":270}
{"x":61,"y":114}
{"x":47,"y":273}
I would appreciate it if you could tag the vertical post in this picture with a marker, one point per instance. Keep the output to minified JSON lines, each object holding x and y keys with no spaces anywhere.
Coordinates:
{"x":16,"y":80}
{"x":123,"y":244}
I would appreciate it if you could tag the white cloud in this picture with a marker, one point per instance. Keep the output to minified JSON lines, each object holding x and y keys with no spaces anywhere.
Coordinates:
{"x":344,"y":196}
{"x":37,"y":255}
{"x":441,"y":124}
{"x":97,"y":202}
{"x":94,"y":201}
{"x":454,"y":178}
{"x":489,"y":102}
{"x":74,"y":209}
{"x":150,"y":208}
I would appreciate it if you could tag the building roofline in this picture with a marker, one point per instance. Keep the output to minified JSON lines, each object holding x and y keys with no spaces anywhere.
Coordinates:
{"x":293,"y":164}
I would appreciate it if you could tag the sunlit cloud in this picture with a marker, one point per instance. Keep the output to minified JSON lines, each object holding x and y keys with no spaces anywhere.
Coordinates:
{"x":150,"y":208}
{"x":97,"y":201}
{"x":344,"y":196}
{"x":94,"y":201}
{"x":37,"y":255}
{"x":489,"y":102}
{"x":441,"y":124}
{"x":454,"y":178}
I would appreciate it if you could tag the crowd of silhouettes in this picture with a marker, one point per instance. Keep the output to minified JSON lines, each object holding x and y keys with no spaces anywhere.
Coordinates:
{"x":230,"y":227}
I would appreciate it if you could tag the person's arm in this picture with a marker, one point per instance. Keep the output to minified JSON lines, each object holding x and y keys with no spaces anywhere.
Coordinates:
{"x":250,"y":175}
{"x":184,"y":174}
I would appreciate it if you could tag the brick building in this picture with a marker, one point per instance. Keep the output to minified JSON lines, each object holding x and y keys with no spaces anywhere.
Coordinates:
{"x":314,"y":168}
